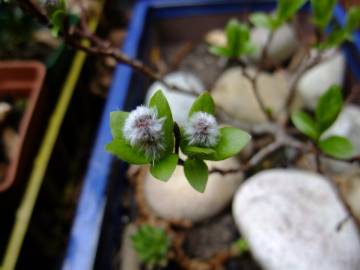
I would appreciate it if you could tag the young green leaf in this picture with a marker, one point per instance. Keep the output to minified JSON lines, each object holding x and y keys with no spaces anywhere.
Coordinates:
{"x":286,"y":9}
{"x":117,"y":120}
{"x":159,"y":101}
{"x":194,"y":150}
{"x":337,"y":146}
{"x":322,"y":12}
{"x":340,"y":35}
{"x":151,"y":245}
{"x":204,"y":103}
{"x":220,"y":51}
{"x":56,"y":20}
{"x":232,"y":141}
{"x":237,"y":41}
{"x":164,"y":168}
{"x":328,"y":108}
{"x":196,"y":172}
{"x":234,"y":31}
{"x":261,"y":19}
{"x":121,"y":149}
{"x":241,"y":246}
{"x":305,"y":123}
{"x":352,"y":19}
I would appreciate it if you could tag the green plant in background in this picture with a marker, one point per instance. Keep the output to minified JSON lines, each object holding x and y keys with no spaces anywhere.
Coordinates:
{"x":322,"y":11}
{"x":339,"y":34}
{"x":152,"y":245}
{"x":16,"y":22}
{"x":327,"y":110}
{"x":148,"y":135}
{"x":285,"y":11}
{"x":237,"y":41}
{"x":241,"y":246}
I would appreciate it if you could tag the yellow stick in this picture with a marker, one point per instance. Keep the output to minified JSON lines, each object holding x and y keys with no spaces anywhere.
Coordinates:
{"x":26,"y":208}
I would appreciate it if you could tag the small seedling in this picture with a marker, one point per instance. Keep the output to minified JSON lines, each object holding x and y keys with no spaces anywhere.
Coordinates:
{"x":148,"y":135}
{"x":241,"y":246}
{"x":237,"y":41}
{"x":152,"y":245}
{"x":284,"y":12}
{"x":327,"y":110}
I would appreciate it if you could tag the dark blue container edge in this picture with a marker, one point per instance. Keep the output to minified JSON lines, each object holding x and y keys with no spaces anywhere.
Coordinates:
{"x":85,"y":230}
{"x":84,"y":236}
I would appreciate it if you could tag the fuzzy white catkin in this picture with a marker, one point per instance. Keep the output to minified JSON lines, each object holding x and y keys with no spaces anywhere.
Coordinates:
{"x":144,"y":130}
{"x":202,"y":130}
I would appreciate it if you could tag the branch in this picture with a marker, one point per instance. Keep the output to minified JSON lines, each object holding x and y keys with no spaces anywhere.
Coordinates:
{"x":74,"y":35}
{"x":253,"y":81}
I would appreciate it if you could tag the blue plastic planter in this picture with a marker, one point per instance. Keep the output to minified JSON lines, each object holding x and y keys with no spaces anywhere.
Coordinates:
{"x":87,"y":227}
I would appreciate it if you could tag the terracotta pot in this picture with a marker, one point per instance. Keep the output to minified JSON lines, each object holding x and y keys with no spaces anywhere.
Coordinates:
{"x":21,"y":79}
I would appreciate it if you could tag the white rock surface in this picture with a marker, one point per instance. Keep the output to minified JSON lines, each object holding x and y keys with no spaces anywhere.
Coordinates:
{"x":234,"y":93}
{"x":176,"y":199}
{"x":180,"y":103}
{"x":349,"y":183}
{"x":318,"y":79}
{"x":289,"y":218}
{"x":216,"y":37}
{"x":282,"y":47}
{"x":5,"y":108}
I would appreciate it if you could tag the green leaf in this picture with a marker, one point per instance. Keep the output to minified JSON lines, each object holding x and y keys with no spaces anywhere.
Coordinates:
{"x":335,"y":39}
{"x":56,"y":20}
{"x":232,"y":141}
{"x":242,"y":246}
{"x":328,"y":108}
{"x":164,"y":168}
{"x":196,"y":172}
{"x":159,"y":102}
{"x":204,"y":103}
{"x":200,"y":150}
{"x":306,"y":124}
{"x":121,"y":149}
{"x":220,"y":51}
{"x":233,"y":36}
{"x":322,"y":12}
{"x":337,"y":146}
{"x":261,"y":19}
{"x":117,"y":121}
{"x":340,"y":35}
{"x":286,"y":9}
{"x":353,"y":19}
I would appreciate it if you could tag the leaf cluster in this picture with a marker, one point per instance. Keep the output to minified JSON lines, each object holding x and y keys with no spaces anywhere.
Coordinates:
{"x":237,"y":41}
{"x":285,"y":11}
{"x":342,"y":34}
{"x":231,"y":141}
{"x":327,"y":110}
{"x":152,"y":245}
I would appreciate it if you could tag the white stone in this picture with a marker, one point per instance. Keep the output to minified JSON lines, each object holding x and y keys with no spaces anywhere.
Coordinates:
{"x":290,"y":219}
{"x":283,"y":45}
{"x":216,"y":37}
{"x":235,"y":95}
{"x":180,"y":103}
{"x":176,"y":199}
{"x":317,"y":80}
{"x":5,"y":108}
{"x":349,"y":183}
